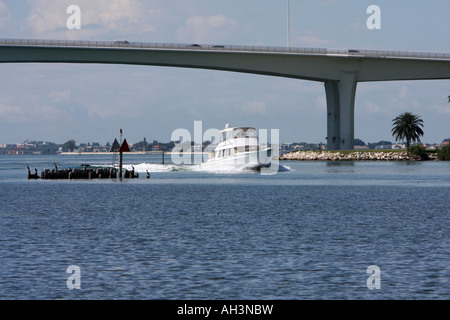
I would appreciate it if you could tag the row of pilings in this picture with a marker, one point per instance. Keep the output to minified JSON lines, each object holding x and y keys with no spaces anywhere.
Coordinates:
{"x":80,"y":173}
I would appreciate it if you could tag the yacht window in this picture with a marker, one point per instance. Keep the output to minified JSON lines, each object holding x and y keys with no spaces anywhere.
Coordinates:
{"x":238,"y":133}
{"x":244,"y":133}
{"x":250,"y":133}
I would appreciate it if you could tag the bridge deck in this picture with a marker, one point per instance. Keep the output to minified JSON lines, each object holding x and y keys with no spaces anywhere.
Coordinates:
{"x":227,"y":48}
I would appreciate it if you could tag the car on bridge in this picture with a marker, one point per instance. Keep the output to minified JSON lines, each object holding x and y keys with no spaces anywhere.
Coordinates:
{"x":120,"y":42}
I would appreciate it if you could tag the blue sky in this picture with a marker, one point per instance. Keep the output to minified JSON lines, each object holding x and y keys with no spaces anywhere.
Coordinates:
{"x":90,"y":103}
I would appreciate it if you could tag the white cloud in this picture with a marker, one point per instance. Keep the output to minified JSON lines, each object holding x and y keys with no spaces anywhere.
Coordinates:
{"x":311,"y":37}
{"x":59,"y":96}
{"x":10,"y":113}
{"x":444,"y":109}
{"x":99,"y":110}
{"x":53,"y":114}
{"x":372,"y":107}
{"x":313,"y":40}
{"x":358,"y":26}
{"x":5,"y":16}
{"x":403,"y":92}
{"x":321,"y":103}
{"x":29,"y":113}
{"x":255,"y":107}
{"x":206,"y":29}
{"x":48,"y":18}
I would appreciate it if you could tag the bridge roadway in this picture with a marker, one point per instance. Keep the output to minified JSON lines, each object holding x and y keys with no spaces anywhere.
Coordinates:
{"x":339,"y":70}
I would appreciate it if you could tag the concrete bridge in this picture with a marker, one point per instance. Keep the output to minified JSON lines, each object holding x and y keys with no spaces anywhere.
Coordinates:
{"x":339,"y":70}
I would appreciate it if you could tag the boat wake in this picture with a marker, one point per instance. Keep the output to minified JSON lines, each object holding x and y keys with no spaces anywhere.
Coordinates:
{"x":234,"y":169}
{"x":152,"y":167}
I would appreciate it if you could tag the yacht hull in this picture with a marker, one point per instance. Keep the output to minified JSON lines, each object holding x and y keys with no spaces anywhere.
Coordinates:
{"x":244,"y":161}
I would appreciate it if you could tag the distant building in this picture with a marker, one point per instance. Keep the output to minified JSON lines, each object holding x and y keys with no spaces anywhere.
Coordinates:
{"x":399,"y":146}
{"x":384,"y":146}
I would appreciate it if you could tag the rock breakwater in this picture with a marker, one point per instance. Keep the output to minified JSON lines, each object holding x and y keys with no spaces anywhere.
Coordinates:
{"x":353,"y":156}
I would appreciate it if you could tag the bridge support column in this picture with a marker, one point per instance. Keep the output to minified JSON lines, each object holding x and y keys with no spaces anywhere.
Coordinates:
{"x":341,"y":112}
{"x":333,"y":115}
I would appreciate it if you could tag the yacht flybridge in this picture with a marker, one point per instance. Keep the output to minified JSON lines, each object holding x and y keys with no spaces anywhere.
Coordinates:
{"x":239,"y":147}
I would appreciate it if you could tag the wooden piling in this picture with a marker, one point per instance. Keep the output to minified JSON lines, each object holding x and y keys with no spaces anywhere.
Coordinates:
{"x":120,"y":164}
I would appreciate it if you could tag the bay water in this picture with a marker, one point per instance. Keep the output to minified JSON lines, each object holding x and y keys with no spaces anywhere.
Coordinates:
{"x":308,"y":232}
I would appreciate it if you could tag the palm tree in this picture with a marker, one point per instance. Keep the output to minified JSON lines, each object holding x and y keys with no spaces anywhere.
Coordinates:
{"x":407,"y":126}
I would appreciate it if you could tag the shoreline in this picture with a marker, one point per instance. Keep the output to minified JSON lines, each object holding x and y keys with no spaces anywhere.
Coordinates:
{"x":352,"y":156}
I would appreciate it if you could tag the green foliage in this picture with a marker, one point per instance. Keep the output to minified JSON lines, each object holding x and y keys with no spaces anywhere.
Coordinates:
{"x":418,"y":151}
{"x":444,"y":153}
{"x":69,"y":146}
{"x":142,"y":146}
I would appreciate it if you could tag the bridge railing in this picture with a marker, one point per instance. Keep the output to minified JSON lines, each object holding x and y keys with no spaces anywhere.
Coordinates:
{"x":119,"y":44}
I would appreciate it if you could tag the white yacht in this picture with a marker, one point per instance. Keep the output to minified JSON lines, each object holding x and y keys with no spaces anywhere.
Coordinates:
{"x":238,"y":148}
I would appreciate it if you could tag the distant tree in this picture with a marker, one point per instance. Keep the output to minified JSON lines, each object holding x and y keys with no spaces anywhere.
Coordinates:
{"x":69,"y":145}
{"x":444,"y":153}
{"x":359,"y":142}
{"x":170,"y":145}
{"x":48,"y":147}
{"x":141,"y":146}
{"x":407,"y":126}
